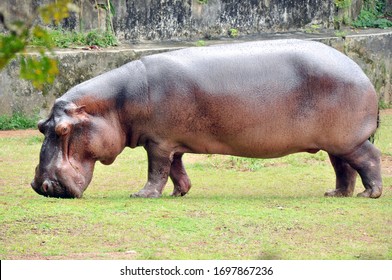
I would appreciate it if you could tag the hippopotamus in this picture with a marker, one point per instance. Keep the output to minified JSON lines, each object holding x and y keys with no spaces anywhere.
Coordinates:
{"x":261,"y":99}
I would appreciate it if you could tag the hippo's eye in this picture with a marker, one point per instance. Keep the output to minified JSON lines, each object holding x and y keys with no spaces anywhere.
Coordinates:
{"x":63,"y":128}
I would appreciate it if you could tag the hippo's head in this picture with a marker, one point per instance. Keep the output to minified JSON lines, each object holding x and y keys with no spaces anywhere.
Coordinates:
{"x":74,"y":141}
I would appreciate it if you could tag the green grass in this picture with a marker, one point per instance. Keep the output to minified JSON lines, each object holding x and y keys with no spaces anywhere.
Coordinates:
{"x":236,"y":209}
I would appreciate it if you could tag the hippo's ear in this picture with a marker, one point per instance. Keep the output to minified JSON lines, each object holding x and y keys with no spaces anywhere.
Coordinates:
{"x":80,"y":109}
{"x":77,"y":113}
{"x":80,"y":114}
{"x":73,"y":110}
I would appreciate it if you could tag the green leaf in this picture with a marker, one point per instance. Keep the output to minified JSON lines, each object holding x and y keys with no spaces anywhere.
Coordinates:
{"x":38,"y":70}
{"x":9,"y":46}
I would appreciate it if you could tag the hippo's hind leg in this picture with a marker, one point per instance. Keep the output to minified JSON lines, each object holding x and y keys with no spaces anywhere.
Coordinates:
{"x":178,"y":175}
{"x":345,"y":177}
{"x":365,"y":159}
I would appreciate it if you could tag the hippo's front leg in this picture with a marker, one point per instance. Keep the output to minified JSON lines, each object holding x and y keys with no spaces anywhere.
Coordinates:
{"x":159,"y":163}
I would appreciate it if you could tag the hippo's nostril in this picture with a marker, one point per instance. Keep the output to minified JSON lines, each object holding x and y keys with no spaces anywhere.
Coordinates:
{"x":46,"y":186}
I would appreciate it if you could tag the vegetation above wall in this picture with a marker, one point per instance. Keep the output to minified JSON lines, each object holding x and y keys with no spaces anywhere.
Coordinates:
{"x":66,"y":39}
{"x":373,"y":14}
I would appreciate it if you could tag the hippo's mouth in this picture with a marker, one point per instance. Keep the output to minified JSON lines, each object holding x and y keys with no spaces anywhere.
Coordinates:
{"x":52,"y":188}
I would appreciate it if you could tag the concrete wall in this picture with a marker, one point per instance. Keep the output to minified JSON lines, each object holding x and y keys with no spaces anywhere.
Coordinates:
{"x":179,"y":19}
{"x":388,"y":7}
{"x":370,"y":51}
{"x":373,"y":53}
{"x":75,"y":67}
{"x":184,"y":19}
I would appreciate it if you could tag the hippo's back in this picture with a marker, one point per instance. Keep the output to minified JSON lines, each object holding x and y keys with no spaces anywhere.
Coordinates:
{"x":283,"y":96}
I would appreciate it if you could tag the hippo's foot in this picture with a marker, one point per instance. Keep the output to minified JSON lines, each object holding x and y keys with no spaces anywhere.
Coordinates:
{"x":181,"y":186}
{"x":371,"y":193}
{"x":179,"y":191}
{"x":147,"y":194}
{"x":338,"y":193}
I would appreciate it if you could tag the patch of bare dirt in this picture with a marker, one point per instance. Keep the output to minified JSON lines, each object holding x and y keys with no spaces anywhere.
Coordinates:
{"x":386,"y":112}
{"x":79,"y":256}
{"x":18,"y":133}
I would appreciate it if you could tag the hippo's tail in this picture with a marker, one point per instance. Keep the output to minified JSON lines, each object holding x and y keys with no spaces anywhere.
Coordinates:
{"x":372,"y":137}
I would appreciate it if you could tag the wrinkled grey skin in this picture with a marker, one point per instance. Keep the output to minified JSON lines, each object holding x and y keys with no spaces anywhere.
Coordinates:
{"x":262,"y":99}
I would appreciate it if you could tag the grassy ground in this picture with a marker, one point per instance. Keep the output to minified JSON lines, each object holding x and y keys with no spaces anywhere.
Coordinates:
{"x":237,"y":209}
